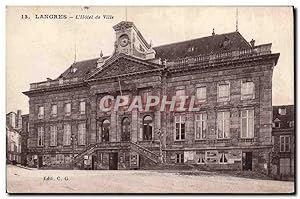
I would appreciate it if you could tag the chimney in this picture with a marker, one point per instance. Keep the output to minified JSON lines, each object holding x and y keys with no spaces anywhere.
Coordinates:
{"x":100,"y":61}
{"x":19,"y":119}
{"x":252,"y":42}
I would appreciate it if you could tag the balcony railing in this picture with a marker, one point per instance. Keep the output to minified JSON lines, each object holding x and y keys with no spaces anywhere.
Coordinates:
{"x":222,"y":56}
{"x":53,"y":83}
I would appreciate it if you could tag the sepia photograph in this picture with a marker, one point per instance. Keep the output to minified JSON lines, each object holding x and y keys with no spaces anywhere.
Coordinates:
{"x":150,"y":100}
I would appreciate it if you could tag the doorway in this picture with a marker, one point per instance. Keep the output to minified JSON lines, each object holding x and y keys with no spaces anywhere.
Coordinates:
{"x":247,"y":161}
{"x":40,"y":161}
{"x":113,"y":161}
{"x":93,"y":162}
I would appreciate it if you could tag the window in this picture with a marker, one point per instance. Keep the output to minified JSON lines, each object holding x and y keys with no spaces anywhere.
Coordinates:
{"x":179,"y":127}
{"x":285,"y":166}
{"x":108,"y":102}
{"x":125,"y":129}
{"x":223,"y":158}
{"x":200,"y":157}
{"x":223,"y":124}
{"x":145,"y":95}
{"x":191,"y":49}
{"x":247,"y":123}
{"x":40,"y":136}
{"x":211,"y":157}
{"x":179,"y":93}
{"x":201,"y":94}
{"x":68,"y":109}
{"x":67,"y":135}
{"x":200,"y":126}
{"x":41,"y":112}
{"x":54,"y":110}
{"x":247,"y":90}
{"x":285,"y":143}
{"x":276,"y":123}
{"x":223,"y":92}
{"x":104,"y":130}
{"x":291,"y":124}
{"x":82,"y":107}
{"x":12,"y":146}
{"x":81,"y":134}
{"x":282,"y":111}
{"x":179,"y":158}
{"x":53,"y":135}
{"x":125,"y":107}
{"x":147,"y":128}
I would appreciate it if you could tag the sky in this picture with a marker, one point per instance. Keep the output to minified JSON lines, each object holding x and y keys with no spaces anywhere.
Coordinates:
{"x":41,"y":48}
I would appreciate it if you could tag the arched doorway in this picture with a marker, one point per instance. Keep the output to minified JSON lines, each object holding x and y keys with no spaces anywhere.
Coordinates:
{"x":125,"y":131}
{"x":105,"y":130}
{"x":147,"y":127}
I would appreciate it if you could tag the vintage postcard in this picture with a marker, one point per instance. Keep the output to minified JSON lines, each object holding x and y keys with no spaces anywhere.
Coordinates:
{"x":150,"y":100}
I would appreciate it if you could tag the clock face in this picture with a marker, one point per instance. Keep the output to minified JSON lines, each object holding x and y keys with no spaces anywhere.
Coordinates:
{"x":124,"y":40}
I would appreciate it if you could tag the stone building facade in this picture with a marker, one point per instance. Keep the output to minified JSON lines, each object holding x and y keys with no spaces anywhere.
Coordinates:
{"x":13,"y":137}
{"x":230,"y":78}
{"x":24,"y":139}
{"x":283,"y":139}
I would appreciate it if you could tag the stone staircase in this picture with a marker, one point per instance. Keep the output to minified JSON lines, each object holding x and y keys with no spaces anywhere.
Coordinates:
{"x":117,"y":145}
{"x":145,"y":152}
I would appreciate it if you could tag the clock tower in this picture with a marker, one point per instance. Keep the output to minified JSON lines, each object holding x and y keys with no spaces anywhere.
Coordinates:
{"x":130,"y":41}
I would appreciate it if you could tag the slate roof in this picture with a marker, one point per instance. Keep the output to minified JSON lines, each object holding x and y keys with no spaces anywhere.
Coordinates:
{"x":204,"y":45}
{"x":284,"y":119}
{"x":84,"y":68}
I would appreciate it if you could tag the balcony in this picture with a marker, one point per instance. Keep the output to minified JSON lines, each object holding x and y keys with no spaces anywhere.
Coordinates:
{"x":222,"y":56}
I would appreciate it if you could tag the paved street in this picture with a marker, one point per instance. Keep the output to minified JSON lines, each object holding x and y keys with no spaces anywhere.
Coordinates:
{"x":133,"y":181}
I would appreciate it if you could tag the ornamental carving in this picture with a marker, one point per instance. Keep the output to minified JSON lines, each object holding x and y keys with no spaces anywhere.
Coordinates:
{"x":121,"y":67}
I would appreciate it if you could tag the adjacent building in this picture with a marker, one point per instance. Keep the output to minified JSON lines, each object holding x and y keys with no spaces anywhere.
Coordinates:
{"x":283,"y":139}
{"x":13,"y":137}
{"x":230,"y":78}
{"x":24,"y":138}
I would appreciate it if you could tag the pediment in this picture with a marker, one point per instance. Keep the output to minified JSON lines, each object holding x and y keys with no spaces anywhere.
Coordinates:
{"x":122,"y":65}
{"x":277,"y":120}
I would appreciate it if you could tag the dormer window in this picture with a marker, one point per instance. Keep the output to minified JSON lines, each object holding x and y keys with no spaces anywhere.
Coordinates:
{"x":282,"y":111}
{"x":191,"y":49}
{"x":74,"y":70}
{"x":277,"y":123}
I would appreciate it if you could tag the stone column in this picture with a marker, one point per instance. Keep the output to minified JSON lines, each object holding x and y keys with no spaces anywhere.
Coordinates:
{"x":134,"y":126}
{"x":92,"y":120}
{"x":113,"y":133}
{"x":164,"y":114}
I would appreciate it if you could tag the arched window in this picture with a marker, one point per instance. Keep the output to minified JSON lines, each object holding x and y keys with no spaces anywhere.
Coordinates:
{"x":105,"y":126}
{"x":147,"y":127}
{"x":125,"y":136}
